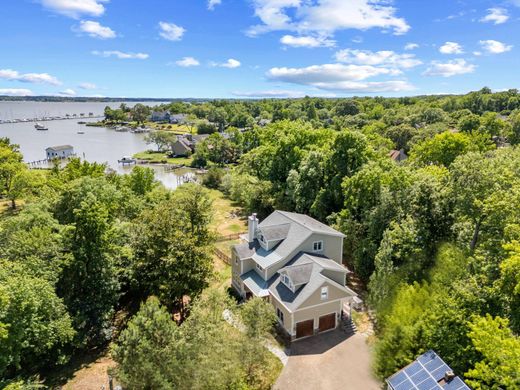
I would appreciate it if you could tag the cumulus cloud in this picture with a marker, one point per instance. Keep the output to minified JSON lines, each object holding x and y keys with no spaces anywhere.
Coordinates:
{"x":451,"y":68}
{"x":171,"y":31}
{"x":326,"y":16}
{"x":411,"y":46}
{"x":186,"y":62}
{"x":213,"y":3}
{"x":67,"y":92}
{"x":451,"y":48}
{"x":87,"y":86}
{"x":75,"y":8}
{"x":384,"y":57}
{"x":95,"y":30}
{"x":230,"y":63}
{"x":491,"y":46}
{"x":306,"y":41}
{"x":15,"y":92}
{"x":36,"y":78}
{"x":121,"y":55}
{"x":340,"y":77}
{"x":496,"y":16}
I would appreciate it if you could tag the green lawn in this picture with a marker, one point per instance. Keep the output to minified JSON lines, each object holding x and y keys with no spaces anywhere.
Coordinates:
{"x":160,"y":157}
{"x":176,"y":129}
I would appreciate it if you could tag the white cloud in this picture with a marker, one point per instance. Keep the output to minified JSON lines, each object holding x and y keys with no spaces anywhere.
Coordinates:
{"x":496,"y":16}
{"x":186,"y":62}
{"x":495,"y":47}
{"x":95,"y":30}
{"x":76,"y":8}
{"x":87,"y":86}
{"x":213,"y":3}
{"x":36,"y":78}
{"x":171,"y":31}
{"x":384,"y":57}
{"x":411,"y":46}
{"x":326,"y":16}
{"x":340,"y":77}
{"x":67,"y":92}
{"x":307,"y":41}
{"x":121,"y":55}
{"x":451,"y":48}
{"x":15,"y":92}
{"x":231,"y":63}
{"x":274,"y":93}
{"x":451,"y":68}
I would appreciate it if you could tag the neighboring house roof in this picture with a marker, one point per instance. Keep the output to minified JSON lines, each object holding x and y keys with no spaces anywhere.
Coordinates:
{"x":199,"y":137}
{"x":183,"y":144}
{"x":178,"y":117}
{"x":312,"y":272}
{"x":428,"y":371}
{"x":398,"y":155}
{"x":59,"y":148}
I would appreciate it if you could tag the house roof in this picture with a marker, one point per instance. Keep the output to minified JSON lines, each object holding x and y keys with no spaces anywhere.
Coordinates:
{"x":426,"y":372}
{"x":303,"y":266}
{"x":246,"y":250}
{"x":255,"y":283}
{"x":276,"y":232}
{"x":299,"y":274}
{"x":397,"y":155}
{"x":59,"y":147}
{"x":292,"y":228}
{"x":184,"y":143}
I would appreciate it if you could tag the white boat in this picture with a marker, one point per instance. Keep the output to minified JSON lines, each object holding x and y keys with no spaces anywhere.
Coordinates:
{"x":39,"y":126}
{"x":127,"y":160}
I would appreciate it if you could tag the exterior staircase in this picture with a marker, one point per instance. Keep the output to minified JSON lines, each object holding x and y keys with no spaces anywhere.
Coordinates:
{"x":348,"y":326}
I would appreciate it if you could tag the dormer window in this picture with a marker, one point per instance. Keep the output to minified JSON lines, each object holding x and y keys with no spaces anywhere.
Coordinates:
{"x":324,"y":293}
{"x":317,"y":246}
{"x":287,"y":281}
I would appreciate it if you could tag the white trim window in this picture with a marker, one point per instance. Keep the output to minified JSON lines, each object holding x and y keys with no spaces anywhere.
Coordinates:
{"x":317,"y":246}
{"x":324,"y":293}
{"x":258,"y":267}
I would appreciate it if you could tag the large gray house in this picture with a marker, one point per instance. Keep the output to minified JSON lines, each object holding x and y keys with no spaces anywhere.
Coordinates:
{"x":294,"y":262}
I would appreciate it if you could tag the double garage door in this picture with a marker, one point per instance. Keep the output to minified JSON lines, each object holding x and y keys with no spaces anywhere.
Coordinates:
{"x":306,"y":328}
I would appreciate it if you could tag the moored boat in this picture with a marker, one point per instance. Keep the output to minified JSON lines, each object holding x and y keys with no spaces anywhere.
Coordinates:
{"x":39,"y":126}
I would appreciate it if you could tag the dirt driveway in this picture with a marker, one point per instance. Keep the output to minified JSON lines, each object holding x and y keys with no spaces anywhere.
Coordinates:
{"x":329,"y":361}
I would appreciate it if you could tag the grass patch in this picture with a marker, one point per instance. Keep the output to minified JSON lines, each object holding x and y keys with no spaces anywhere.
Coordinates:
{"x":160,"y":157}
{"x":174,"y":128}
{"x":227,"y":217}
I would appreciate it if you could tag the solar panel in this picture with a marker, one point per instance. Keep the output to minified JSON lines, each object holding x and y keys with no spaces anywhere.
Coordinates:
{"x":425,"y":373}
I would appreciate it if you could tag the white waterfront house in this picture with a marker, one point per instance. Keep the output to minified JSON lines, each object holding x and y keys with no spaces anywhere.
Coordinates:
{"x":61,"y":151}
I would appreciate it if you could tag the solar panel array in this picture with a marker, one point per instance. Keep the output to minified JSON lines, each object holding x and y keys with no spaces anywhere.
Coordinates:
{"x":425,"y":373}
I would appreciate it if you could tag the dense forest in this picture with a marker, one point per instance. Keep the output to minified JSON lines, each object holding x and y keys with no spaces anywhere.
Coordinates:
{"x":435,"y":238}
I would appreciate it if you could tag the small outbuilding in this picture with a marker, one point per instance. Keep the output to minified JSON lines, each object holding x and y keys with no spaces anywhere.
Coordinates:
{"x":61,"y":151}
{"x":398,"y":155}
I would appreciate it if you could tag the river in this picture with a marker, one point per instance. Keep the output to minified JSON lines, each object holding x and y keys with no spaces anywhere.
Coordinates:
{"x":97,"y":144}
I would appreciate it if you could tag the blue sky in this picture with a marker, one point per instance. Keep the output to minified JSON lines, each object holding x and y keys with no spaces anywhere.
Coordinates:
{"x":257,"y":48}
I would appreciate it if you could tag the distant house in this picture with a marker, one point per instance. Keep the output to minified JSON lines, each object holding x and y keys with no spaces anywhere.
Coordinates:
{"x":428,"y":371}
{"x":62,"y":151}
{"x":160,"y":116}
{"x":178,"y":119}
{"x":398,"y":155}
{"x":295,"y":263}
{"x":264,"y":122}
{"x":186,"y":144}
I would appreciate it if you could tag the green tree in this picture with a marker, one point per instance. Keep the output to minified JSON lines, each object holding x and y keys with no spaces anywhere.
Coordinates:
{"x":140,"y":113}
{"x":35,"y":326}
{"x":89,"y":283}
{"x":500,"y":351}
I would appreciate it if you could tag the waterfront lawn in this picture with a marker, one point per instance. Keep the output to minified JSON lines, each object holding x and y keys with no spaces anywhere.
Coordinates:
{"x":160,"y":157}
{"x":174,"y":128}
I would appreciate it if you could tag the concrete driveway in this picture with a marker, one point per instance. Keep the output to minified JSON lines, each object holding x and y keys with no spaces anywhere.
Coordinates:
{"x":329,"y":361}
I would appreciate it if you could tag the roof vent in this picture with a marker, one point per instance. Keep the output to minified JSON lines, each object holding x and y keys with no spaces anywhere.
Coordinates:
{"x":448,"y":376}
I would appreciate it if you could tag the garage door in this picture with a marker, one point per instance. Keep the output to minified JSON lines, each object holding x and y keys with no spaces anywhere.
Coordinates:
{"x":304,"y":328}
{"x":327,"y":322}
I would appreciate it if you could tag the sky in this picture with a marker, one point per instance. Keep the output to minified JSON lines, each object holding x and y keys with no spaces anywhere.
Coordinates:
{"x":257,"y":48}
